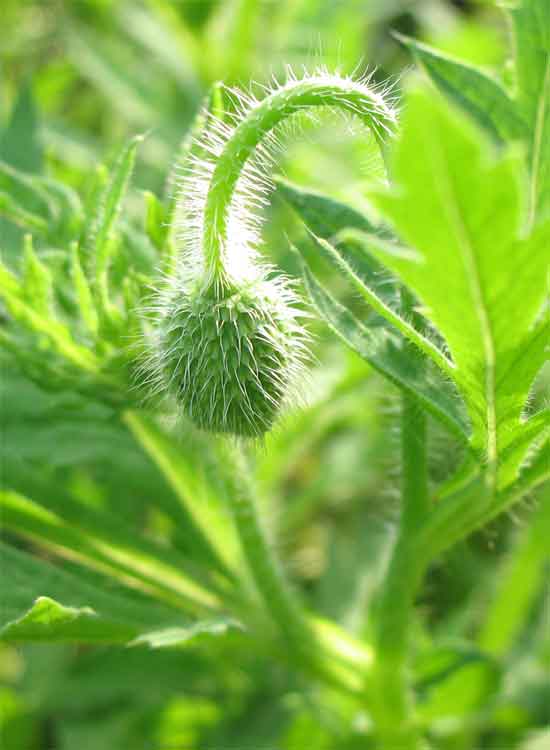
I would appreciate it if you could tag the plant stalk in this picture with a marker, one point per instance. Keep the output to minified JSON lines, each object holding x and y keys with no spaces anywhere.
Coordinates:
{"x":301,"y":639}
{"x":392,"y":703}
{"x":318,"y":91}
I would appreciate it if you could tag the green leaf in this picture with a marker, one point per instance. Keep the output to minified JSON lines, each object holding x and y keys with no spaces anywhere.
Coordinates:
{"x":29,"y":577}
{"x":91,"y":54}
{"x":48,"y":620}
{"x":34,"y":199}
{"x":531,"y":25}
{"x":19,"y":142}
{"x":519,"y":579}
{"x":178,"y":637}
{"x":472,"y":89}
{"x":29,"y":190}
{"x":324,"y":216}
{"x":482,"y":284}
{"x":49,"y":329}
{"x":463,"y":692}
{"x":386,"y":354}
{"x":109,"y":204}
{"x":364,"y":279}
{"x":37,"y":280}
{"x":474,"y":504}
{"x":83,"y":291}
{"x":159,"y":39}
{"x":103,"y":543}
{"x":20,"y":216}
{"x":155,"y":220}
{"x":196,"y":476}
{"x":94,"y":611}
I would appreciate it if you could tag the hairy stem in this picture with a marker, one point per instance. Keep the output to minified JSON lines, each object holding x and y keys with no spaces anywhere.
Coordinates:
{"x":392,"y":701}
{"x":322,"y":658}
{"x":318,"y":91}
{"x":261,"y":562}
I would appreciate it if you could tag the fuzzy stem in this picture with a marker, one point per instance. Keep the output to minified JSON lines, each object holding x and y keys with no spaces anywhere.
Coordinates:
{"x":392,"y":701}
{"x":392,"y":705}
{"x":259,"y":557}
{"x":301,"y":639}
{"x":318,"y":91}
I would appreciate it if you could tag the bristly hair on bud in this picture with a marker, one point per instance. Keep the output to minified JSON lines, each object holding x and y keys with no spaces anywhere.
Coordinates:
{"x":227,"y":342}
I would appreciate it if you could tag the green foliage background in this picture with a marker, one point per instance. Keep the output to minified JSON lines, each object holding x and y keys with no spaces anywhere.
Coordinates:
{"x":124,"y":503}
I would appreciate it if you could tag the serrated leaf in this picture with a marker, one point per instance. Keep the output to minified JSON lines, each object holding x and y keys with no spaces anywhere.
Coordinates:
{"x":472,"y":89}
{"x":57,"y":334}
{"x":474,"y":504}
{"x":40,"y":203}
{"x":110,"y":203}
{"x":29,"y":190}
{"x":83,"y":291}
{"x":37,"y":280}
{"x":387,"y":355}
{"x":482,"y":285}
{"x":9,"y":283}
{"x":28,"y":577}
{"x":99,"y":179}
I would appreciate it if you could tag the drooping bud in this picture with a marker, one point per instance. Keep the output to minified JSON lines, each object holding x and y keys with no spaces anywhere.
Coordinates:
{"x":231,"y":352}
{"x":227,"y":341}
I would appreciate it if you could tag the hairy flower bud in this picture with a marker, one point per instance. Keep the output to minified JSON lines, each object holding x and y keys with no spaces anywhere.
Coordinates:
{"x":230,"y":353}
{"x":227,"y":343}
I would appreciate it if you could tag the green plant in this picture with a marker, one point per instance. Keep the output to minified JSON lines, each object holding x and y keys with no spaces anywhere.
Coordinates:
{"x":454,"y":273}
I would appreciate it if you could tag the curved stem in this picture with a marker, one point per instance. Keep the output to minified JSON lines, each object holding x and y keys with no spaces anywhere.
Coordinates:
{"x":318,"y":91}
